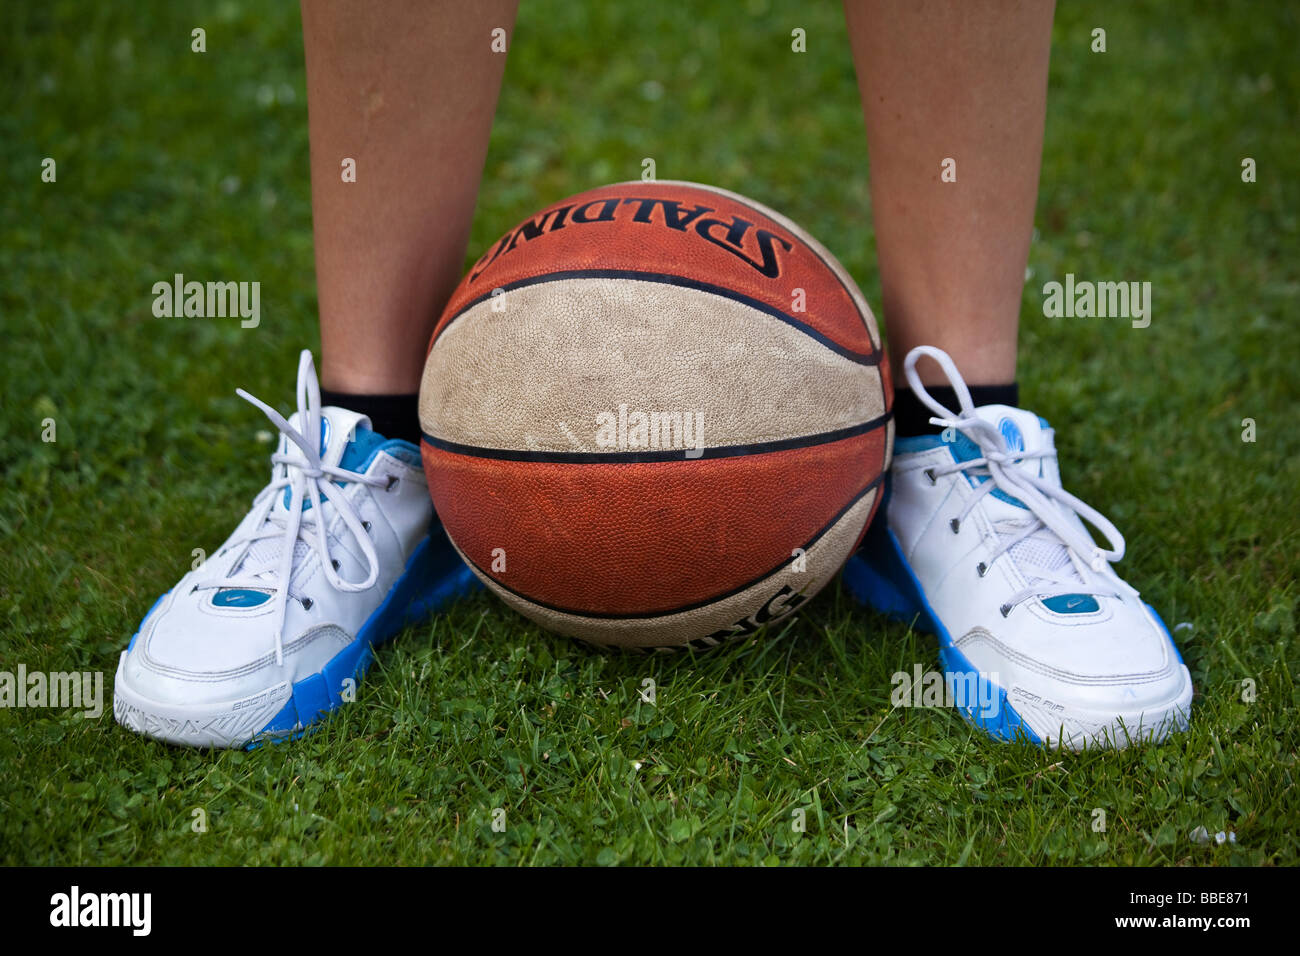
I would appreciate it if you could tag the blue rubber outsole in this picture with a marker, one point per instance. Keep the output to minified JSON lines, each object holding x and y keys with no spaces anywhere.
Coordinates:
{"x":434,"y":575}
{"x":879,"y":576}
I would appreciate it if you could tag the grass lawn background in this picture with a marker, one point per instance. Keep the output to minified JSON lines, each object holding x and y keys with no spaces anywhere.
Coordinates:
{"x":170,"y":161}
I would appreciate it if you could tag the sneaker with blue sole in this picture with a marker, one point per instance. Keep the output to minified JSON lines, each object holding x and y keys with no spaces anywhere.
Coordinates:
{"x":978,"y":543}
{"x":340,"y":552}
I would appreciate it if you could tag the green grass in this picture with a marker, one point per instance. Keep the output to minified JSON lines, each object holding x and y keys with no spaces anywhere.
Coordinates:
{"x":173,"y":162}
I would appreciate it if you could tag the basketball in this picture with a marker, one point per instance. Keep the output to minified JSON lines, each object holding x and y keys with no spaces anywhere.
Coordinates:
{"x":656,"y":414}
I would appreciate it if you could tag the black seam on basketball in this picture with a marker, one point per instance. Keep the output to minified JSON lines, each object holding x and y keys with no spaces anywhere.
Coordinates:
{"x":671,"y":454}
{"x":847,"y":291}
{"x":681,"y":281}
{"x":651,"y":615}
{"x":768,"y":214}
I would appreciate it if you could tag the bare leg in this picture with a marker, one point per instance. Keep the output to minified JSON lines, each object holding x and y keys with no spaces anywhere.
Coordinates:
{"x":966,"y":81}
{"x":408,"y":90}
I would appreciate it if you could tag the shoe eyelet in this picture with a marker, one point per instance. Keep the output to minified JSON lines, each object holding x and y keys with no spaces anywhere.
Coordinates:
{"x":955,"y":525}
{"x":929,"y":473}
{"x":982,"y":568}
{"x":366,"y":525}
{"x":334,"y":564}
{"x":393,"y":482}
{"x":307,"y":603}
{"x":1005,"y":609}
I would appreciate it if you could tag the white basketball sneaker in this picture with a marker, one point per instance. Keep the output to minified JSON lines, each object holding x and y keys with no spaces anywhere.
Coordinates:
{"x":340,"y":552}
{"x":1039,"y":637}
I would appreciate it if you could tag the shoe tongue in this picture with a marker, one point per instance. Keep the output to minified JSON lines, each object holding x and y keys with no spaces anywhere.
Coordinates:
{"x":1021,"y":430}
{"x":1024,"y":431}
{"x":338,"y":428}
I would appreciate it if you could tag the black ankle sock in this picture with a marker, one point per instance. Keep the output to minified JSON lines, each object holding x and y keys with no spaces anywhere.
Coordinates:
{"x":912,"y":418}
{"x":393,"y":416}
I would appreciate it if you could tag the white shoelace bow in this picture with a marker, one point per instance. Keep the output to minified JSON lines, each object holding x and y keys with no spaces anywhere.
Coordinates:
{"x":1044,"y":500}
{"x":308,"y":478}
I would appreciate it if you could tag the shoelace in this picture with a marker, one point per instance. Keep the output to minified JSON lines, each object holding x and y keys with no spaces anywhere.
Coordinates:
{"x":307,"y":478}
{"x":1044,"y":500}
